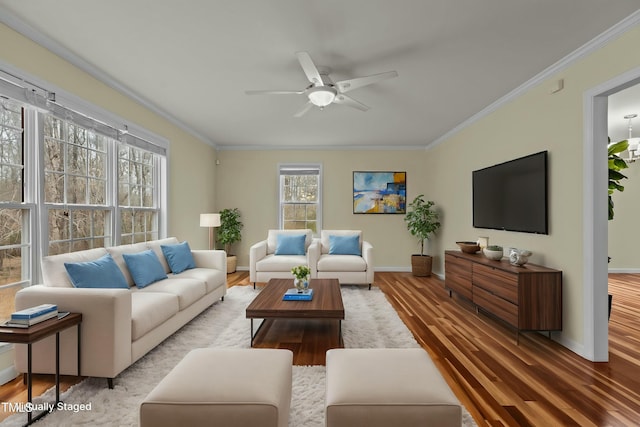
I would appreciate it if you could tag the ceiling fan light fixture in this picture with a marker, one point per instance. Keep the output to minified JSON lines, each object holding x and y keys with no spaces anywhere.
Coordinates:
{"x":322,"y":96}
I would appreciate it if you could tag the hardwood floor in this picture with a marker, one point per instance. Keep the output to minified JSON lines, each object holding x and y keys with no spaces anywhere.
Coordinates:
{"x":536,"y":383}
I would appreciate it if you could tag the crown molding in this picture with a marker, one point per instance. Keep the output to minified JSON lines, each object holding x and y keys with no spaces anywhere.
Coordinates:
{"x":320,"y":148}
{"x":18,"y":25}
{"x":588,"y":48}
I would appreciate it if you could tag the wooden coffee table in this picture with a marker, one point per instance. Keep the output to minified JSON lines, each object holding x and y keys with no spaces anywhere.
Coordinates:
{"x":326,"y":303}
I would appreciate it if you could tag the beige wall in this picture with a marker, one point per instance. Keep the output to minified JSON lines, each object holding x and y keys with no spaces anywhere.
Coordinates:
{"x":191,"y":170}
{"x":248,"y":180}
{"x":533,"y":122}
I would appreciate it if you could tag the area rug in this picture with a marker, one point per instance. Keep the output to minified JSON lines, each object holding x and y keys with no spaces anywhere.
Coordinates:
{"x":370,"y":322}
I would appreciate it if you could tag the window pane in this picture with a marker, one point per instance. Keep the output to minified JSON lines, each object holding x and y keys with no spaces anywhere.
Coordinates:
{"x":59,"y":225}
{"x":10,"y":227}
{"x":97,"y":192}
{"x":76,"y":160}
{"x":76,"y":190}
{"x":53,"y":188}
{"x":11,"y":183}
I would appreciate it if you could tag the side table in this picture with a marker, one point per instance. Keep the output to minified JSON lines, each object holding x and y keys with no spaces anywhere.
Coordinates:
{"x":35,"y":333}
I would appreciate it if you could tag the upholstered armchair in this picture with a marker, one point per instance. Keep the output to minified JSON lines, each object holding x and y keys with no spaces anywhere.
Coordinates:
{"x":345,"y":256}
{"x":282,"y":250}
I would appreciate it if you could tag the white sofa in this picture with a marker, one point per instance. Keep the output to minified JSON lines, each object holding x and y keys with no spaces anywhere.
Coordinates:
{"x":119,"y":326}
{"x":264,"y":264}
{"x":356,"y":269}
{"x":348,"y":269}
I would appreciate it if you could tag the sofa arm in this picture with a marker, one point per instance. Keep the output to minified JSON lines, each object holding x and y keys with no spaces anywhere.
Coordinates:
{"x":367,"y":254}
{"x":106,"y":331}
{"x":313,"y":255}
{"x":215,"y":259}
{"x":257,"y":251}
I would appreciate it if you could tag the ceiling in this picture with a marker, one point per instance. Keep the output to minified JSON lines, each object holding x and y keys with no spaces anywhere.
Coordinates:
{"x":193,"y":60}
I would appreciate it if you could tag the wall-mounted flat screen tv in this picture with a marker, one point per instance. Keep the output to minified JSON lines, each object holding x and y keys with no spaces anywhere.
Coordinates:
{"x":512,"y":195}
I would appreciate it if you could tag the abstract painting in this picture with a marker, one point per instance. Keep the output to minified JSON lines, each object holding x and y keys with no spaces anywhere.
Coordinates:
{"x":379,"y":192}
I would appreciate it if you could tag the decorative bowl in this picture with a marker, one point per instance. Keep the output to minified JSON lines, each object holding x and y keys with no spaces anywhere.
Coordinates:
{"x":468,"y":247}
{"x":495,"y":255}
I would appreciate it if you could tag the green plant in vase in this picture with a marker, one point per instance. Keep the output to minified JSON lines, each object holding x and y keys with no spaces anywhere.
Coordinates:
{"x":301,"y":274}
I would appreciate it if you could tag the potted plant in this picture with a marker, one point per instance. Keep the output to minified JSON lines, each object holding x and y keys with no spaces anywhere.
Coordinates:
{"x":616,"y":164}
{"x":301,"y":274}
{"x":229,"y":233}
{"x":422,"y":221}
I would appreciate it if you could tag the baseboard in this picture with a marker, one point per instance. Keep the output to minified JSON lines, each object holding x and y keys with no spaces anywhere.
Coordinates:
{"x":625,"y":270}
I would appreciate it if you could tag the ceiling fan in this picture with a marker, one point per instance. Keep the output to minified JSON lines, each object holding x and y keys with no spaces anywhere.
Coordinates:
{"x":323,"y":91}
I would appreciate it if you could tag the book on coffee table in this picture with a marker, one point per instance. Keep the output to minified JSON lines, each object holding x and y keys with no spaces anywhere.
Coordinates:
{"x":294,"y":295}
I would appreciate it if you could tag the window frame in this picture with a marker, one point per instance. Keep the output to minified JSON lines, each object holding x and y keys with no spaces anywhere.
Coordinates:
{"x":282,"y":168}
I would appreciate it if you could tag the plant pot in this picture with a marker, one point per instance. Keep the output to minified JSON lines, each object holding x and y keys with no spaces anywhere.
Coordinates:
{"x":232,"y":261}
{"x":421,"y":265}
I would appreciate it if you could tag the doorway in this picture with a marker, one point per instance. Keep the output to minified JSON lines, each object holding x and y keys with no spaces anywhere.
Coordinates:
{"x":595,"y":172}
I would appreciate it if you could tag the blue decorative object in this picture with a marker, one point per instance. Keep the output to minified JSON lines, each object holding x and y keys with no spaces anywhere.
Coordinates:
{"x":178,"y":257}
{"x":344,"y":245}
{"x":101,"y":273}
{"x":290,"y":244}
{"x":145,"y":268}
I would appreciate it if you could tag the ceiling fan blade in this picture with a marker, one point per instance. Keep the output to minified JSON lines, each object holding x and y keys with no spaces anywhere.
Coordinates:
{"x":306,"y":108}
{"x":347,"y":85}
{"x":274,"y":92}
{"x":309,"y":68}
{"x":350,"y":102}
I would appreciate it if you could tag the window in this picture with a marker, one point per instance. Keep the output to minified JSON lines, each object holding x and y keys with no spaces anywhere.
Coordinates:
{"x":71,"y":180}
{"x":75,"y":186}
{"x":300,"y":197}
{"x":137,"y":171}
{"x":15,"y":246}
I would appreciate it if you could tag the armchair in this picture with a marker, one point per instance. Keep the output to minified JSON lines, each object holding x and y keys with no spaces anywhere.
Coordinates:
{"x":269,"y":258}
{"x":349,"y":266}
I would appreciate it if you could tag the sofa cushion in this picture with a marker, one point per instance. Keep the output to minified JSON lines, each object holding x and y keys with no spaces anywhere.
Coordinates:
{"x":272,"y":238}
{"x":325,"y":244}
{"x":156,"y":246}
{"x":290,"y":244}
{"x":100,"y":273}
{"x":145,"y":268}
{"x":149,"y":310}
{"x":341,"y":263}
{"x":280,"y":262}
{"x":344,"y":245}
{"x":186,"y":289}
{"x":55,"y":274}
{"x":178,"y":257}
{"x":213,"y":279}
{"x":117,"y":252}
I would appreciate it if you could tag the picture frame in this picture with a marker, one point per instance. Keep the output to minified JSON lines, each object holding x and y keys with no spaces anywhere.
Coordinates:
{"x":379,"y":192}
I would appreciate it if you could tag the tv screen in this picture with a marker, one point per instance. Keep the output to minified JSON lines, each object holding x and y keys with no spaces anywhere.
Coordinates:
{"x":512,"y":195}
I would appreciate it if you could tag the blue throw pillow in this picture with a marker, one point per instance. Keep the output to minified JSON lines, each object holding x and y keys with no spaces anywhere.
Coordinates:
{"x":344,"y":245}
{"x":145,"y":268}
{"x":101,"y":273}
{"x":290,"y":244}
{"x":178,"y":257}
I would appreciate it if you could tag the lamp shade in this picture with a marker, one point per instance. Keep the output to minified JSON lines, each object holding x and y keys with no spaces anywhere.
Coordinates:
{"x":210,"y":220}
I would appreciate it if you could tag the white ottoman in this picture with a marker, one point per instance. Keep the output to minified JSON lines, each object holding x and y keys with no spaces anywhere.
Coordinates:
{"x":387,"y":387}
{"x":225,"y":387}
